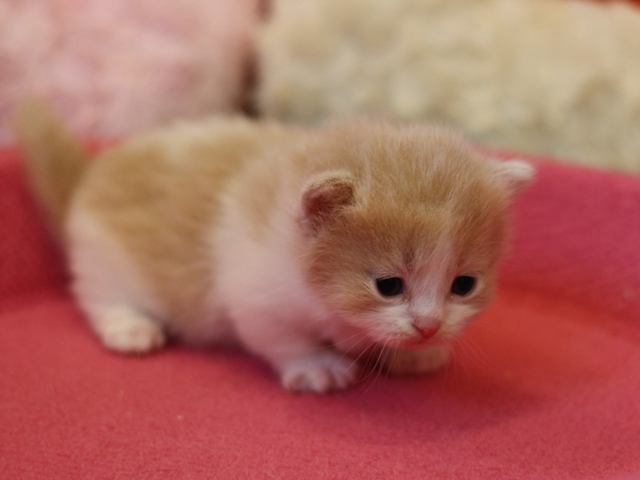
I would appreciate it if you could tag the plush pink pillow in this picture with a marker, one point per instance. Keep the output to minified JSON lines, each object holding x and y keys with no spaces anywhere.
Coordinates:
{"x":119,"y":65}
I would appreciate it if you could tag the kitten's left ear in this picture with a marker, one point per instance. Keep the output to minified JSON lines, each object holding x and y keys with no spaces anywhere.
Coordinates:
{"x":324,"y":196}
{"x":516,"y":174}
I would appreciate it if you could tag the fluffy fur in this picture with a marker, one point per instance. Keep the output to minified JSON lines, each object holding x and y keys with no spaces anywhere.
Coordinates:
{"x":275,"y":238}
{"x":546,"y":76}
{"x":121,"y":65}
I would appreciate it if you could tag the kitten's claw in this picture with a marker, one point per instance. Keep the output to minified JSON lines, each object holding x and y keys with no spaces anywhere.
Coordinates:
{"x":319,"y":373}
{"x":413,"y":362}
{"x":125,"y":330}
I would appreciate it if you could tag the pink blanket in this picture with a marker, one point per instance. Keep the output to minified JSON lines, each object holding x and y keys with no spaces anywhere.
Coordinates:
{"x":545,"y":385}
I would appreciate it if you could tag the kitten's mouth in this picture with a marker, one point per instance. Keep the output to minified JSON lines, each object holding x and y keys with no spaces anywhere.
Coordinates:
{"x":413,"y":344}
{"x":422,"y":343}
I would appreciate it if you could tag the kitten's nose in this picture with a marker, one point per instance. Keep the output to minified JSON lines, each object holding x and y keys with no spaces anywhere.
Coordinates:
{"x":427,"y":332}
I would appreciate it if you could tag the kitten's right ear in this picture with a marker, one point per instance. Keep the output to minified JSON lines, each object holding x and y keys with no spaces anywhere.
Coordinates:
{"x":517,"y":174}
{"x":324,"y":197}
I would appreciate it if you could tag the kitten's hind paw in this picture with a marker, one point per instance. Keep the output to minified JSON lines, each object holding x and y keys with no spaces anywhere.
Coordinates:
{"x":319,"y":373}
{"x":125,"y":330}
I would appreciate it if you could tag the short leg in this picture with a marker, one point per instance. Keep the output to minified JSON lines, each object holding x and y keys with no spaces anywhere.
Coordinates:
{"x":303,"y":363}
{"x":318,"y":372}
{"x":415,"y":362}
{"x":123,"y":329}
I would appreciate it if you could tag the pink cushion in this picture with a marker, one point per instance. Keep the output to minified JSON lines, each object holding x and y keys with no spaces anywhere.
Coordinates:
{"x":115,"y":66}
{"x":545,"y":385}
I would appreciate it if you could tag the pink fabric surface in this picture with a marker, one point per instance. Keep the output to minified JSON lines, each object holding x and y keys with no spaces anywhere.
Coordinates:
{"x":545,"y":385}
{"x":116,"y":66}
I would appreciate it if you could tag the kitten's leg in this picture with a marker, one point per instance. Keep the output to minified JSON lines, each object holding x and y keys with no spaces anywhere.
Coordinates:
{"x":110,"y":288}
{"x":318,"y":372}
{"x":126,"y":330}
{"x":304,"y":365}
{"x":413,"y":362}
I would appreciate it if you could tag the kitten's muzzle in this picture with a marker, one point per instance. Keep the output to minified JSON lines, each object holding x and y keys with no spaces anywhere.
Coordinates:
{"x":427,"y":332}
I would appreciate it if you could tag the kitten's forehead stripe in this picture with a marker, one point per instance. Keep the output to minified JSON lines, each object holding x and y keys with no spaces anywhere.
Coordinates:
{"x":408,"y":257}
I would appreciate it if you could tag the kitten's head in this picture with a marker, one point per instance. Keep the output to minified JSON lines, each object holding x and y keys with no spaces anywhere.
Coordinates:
{"x":404,"y":234}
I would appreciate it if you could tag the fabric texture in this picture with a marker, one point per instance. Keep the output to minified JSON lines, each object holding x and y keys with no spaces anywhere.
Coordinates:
{"x":549,"y":77}
{"x":117,"y":66}
{"x":544,"y":385}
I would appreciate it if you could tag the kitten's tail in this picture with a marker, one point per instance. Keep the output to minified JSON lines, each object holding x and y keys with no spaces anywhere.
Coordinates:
{"x":55,"y":160}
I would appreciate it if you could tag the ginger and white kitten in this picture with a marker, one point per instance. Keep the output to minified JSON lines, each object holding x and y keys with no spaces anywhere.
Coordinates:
{"x":309,"y":248}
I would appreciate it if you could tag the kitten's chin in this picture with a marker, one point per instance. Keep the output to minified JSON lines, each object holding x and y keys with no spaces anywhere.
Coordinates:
{"x":422,"y":343}
{"x":411,"y":343}
{"x":432,"y":342}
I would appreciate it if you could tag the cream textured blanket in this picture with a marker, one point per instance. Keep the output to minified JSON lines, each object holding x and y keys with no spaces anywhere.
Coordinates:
{"x":553,"y":77}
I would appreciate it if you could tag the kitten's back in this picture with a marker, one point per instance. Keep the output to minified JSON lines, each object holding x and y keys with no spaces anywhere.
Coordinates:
{"x":160,"y":195}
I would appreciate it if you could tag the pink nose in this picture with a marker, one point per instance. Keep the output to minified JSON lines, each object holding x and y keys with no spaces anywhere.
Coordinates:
{"x":427,"y":332}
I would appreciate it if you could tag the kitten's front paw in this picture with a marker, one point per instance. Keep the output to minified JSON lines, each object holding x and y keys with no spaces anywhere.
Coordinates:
{"x":125,"y":330}
{"x":319,"y":373}
{"x":414,"y":362}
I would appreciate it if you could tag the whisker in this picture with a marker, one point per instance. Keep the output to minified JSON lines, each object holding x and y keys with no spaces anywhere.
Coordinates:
{"x":364,"y":351}
{"x":477,"y":352}
{"x":344,"y":340}
{"x":369,"y":367}
{"x":372,"y":369}
{"x":390,"y":352}
{"x":378,"y":366}
{"x":348,"y":350}
{"x":332,"y":345}
{"x":471,"y":353}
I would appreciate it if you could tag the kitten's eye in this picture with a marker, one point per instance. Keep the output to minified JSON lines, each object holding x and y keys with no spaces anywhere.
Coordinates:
{"x":389,"y":287}
{"x":463,"y":285}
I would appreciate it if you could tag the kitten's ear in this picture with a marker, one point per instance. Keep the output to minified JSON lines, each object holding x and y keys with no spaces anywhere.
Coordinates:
{"x":324,"y":196}
{"x":517,"y":174}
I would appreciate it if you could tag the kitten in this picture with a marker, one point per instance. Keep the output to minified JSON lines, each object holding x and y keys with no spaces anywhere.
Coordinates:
{"x":309,"y":248}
